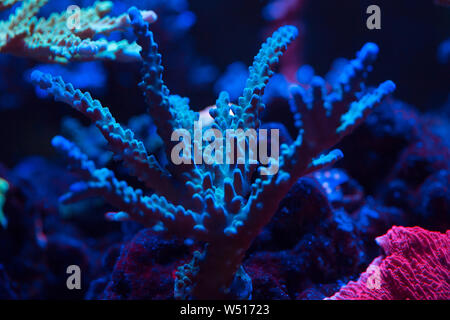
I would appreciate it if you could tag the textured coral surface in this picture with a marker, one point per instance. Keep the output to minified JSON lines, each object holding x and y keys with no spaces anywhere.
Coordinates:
{"x":415,"y":265}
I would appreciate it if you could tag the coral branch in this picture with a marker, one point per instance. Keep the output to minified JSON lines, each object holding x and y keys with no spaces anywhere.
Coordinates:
{"x":261,"y":71}
{"x":169,"y":112}
{"x":151,"y":211}
{"x":323,"y":118}
{"x":50,"y":39}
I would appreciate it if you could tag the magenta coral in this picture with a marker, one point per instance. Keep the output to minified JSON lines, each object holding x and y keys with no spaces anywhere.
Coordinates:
{"x":416,"y":266}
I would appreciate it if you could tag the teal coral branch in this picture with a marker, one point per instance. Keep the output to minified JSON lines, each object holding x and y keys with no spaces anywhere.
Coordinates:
{"x":51,"y":40}
{"x":6,"y":4}
{"x":4,"y":186}
{"x":148,"y":210}
{"x":246,"y":115}
{"x":155,"y":91}
{"x":169,"y":112}
{"x":359,"y":109}
{"x":122,"y":141}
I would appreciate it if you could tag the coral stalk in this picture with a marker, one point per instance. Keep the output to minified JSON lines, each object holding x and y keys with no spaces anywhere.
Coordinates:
{"x":414,"y":266}
{"x":4,"y":186}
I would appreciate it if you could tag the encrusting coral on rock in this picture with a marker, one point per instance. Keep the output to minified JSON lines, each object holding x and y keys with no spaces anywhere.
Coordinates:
{"x":53,"y":40}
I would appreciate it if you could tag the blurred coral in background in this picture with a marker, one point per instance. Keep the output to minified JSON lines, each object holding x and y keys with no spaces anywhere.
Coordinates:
{"x":360,"y":206}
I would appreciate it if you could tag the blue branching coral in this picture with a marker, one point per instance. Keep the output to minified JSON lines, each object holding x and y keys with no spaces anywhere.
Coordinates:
{"x":222,"y":206}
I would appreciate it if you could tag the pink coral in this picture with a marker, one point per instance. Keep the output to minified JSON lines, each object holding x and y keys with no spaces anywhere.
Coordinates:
{"x":416,"y":266}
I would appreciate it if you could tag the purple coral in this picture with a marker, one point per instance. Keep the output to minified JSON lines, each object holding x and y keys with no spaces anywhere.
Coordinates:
{"x":224,"y":207}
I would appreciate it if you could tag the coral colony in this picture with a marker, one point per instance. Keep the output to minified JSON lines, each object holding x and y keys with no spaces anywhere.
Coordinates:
{"x":218,"y":201}
{"x":3,"y":189}
{"x":51,"y":40}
